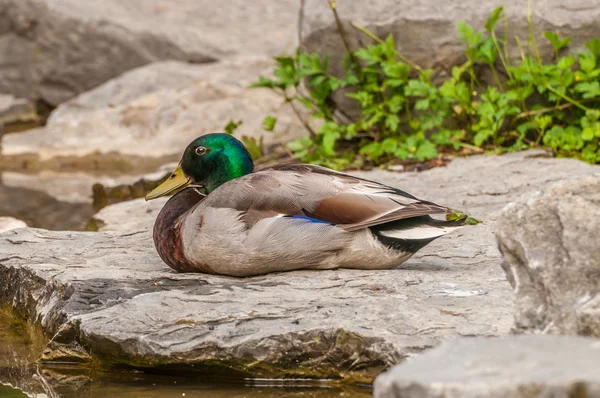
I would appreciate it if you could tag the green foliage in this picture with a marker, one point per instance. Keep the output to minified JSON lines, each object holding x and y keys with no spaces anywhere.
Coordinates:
{"x":231,"y":126}
{"x":458,"y":215}
{"x":254,"y":146}
{"x":269,"y":123}
{"x":403,"y":115}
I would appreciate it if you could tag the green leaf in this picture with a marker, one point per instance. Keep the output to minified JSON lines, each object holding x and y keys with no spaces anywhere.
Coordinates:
{"x":264,"y":83}
{"x":487,"y":52}
{"x":231,"y":126}
{"x":458,"y":215}
{"x":255,"y":147}
{"x":594,"y":46}
{"x":587,"y":62}
{"x":372,"y":150}
{"x":588,"y":90}
{"x":426,"y":151}
{"x":417,"y":88}
{"x":467,"y":35}
{"x":556,"y":41}
{"x":587,"y":134}
{"x":593,"y":114}
{"x":392,"y":122}
{"x":482,"y":136}
{"x":389,"y":145}
{"x":493,"y":19}
{"x":543,"y":121}
{"x":422,"y":104}
{"x":269,"y":123}
{"x":566,"y":62}
{"x":395,"y":103}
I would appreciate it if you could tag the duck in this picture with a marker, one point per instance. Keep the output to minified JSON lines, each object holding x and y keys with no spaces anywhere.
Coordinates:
{"x":224,"y":217}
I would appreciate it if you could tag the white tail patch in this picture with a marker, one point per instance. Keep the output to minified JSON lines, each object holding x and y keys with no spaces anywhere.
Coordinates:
{"x":421,"y":232}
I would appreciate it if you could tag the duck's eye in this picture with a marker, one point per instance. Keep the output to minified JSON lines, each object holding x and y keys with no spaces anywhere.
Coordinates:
{"x":201,"y":150}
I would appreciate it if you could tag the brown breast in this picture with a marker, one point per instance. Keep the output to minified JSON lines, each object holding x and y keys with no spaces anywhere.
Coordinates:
{"x":167,"y":231}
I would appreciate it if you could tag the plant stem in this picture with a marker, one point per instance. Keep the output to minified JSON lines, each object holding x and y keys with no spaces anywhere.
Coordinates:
{"x":340,"y":28}
{"x":548,"y":86}
{"x":502,"y":59}
{"x":532,"y":34}
{"x":307,"y":126}
{"x":542,"y":111}
{"x":472,"y":147}
{"x":496,"y":78}
{"x":505,"y":45}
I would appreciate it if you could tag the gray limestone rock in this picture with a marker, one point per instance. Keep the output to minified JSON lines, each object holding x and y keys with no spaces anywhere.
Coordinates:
{"x":107,"y":295}
{"x":425,"y":32}
{"x":8,"y":223}
{"x":55,"y":49}
{"x":134,"y":214}
{"x":156,"y":110}
{"x":517,"y":366}
{"x":549,"y":238}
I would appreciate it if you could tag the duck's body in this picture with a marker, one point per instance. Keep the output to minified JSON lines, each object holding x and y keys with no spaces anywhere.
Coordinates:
{"x":290,"y":217}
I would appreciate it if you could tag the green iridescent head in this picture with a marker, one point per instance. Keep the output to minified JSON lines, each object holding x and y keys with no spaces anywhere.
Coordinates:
{"x":208,"y":162}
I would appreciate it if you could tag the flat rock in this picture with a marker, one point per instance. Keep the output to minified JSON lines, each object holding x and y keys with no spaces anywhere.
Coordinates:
{"x":134,"y":214}
{"x":549,"y":238}
{"x":156,"y":110}
{"x":517,"y":366}
{"x":55,"y":49}
{"x":106,"y":295}
{"x":9,"y":223}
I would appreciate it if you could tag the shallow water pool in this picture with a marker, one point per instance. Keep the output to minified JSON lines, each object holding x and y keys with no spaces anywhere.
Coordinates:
{"x":20,"y":376}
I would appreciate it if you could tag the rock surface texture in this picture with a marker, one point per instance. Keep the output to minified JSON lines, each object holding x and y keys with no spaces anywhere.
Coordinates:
{"x":550,"y":241}
{"x":9,"y":223}
{"x":156,"y":110}
{"x":425,"y":31}
{"x":55,"y":49}
{"x":106,"y":295}
{"x":516,"y":366}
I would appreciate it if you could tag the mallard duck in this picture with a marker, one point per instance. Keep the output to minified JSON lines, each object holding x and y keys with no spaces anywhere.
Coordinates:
{"x":226,"y":218}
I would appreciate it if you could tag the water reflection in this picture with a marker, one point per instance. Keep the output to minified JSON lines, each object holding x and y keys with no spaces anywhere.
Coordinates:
{"x":54,"y":383}
{"x":21,"y":343}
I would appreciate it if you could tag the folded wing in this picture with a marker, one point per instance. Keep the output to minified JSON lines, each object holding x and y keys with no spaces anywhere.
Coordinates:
{"x":346,"y":201}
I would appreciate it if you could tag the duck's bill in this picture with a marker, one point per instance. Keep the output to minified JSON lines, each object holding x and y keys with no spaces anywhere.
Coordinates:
{"x":175,"y":183}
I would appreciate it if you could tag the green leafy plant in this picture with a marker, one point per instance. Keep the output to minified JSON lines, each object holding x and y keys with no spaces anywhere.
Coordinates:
{"x":254,"y":146}
{"x":403,"y":115}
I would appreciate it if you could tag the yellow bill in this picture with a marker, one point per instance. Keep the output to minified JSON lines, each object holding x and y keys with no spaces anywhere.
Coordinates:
{"x":175,"y":183}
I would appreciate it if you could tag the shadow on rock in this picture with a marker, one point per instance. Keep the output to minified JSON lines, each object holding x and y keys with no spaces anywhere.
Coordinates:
{"x":40,"y":210}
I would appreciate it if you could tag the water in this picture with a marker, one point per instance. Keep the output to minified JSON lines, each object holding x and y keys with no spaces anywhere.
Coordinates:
{"x":21,"y":343}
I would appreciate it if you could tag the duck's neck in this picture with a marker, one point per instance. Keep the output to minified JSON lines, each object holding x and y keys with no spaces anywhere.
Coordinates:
{"x":167,"y":228}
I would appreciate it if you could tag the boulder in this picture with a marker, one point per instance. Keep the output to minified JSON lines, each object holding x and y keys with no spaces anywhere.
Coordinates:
{"x":549,"y":238}
{"x":156,"y":110}
{"x":106,"y":296}
{"x":516,"y":366}
{"x":55,"y":49}
{"x":425,"y":32}
{"x":9,"y":223}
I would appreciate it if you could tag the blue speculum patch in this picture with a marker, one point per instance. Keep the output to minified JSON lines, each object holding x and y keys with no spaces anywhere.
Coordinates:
{"x":311,"y":219}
